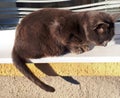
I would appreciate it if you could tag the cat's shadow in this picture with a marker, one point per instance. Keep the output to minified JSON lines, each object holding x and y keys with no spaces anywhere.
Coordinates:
{"x":48,"y":70}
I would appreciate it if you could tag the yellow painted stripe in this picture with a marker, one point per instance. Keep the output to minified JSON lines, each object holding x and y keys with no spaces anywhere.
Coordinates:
{"x":68,"y":69}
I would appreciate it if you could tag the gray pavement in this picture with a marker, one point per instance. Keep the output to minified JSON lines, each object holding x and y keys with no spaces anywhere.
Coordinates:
{"x":89,"y":87}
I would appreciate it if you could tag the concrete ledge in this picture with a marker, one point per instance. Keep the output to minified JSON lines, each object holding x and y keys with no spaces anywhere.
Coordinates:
{"x":62,"y":59}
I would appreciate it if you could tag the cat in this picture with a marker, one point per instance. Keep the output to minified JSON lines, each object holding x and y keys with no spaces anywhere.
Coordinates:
{"x":53,"y":32}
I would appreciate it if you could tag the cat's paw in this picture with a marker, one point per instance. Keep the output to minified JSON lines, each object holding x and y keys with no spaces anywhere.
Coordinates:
{"x":77,"y":50}
{"x":85,"y":48}
{"x":80,"y":49}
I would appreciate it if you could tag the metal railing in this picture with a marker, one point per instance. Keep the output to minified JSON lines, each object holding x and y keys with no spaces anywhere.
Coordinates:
{"x":10,"y":13}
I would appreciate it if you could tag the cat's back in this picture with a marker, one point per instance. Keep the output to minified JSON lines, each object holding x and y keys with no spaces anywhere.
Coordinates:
{"x":45,"y":15}
{"x":33,"y":30}
{"x":37,"y":23}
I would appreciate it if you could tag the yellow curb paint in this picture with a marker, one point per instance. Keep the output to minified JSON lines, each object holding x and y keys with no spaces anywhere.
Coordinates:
{"x":68,"y":69}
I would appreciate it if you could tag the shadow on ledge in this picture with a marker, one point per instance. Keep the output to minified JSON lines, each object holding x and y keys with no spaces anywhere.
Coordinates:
{"x":48,"y":70}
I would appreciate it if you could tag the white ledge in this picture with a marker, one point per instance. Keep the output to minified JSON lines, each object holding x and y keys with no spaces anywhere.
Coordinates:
{"x":68,"y":60}
{"x":111,"y":53}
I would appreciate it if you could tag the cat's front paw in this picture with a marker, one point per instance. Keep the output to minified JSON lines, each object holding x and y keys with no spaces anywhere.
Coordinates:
{"x":77,"y":50}
{"x":80,"y":49}
{"x":85,"y":48}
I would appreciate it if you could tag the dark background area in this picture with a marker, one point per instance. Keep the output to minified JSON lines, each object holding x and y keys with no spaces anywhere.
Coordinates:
{"x":10,"y":14}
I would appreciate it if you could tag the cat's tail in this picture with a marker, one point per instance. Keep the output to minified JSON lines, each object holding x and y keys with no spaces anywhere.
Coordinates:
{"x":19,"y":62}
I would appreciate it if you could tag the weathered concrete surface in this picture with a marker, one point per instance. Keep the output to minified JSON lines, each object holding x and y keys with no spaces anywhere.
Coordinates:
{"x":89,"y":87}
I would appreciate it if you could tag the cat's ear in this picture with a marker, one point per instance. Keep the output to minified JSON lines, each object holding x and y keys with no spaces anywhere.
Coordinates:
{"x":101,"y":27}
{"x":115,"y":16}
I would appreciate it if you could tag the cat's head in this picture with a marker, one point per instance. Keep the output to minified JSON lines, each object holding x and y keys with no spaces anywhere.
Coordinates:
{"x":98,"y":27}
{"x":84,"y":27}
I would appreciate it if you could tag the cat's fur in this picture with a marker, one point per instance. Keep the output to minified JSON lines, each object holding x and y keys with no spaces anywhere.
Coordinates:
{"x":50,"y":32}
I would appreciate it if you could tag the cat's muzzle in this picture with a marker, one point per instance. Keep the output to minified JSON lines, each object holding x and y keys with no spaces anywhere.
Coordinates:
{"x":105,"y":43}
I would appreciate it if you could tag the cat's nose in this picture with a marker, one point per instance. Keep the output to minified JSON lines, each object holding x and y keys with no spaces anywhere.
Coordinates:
{"x":105,"y":43}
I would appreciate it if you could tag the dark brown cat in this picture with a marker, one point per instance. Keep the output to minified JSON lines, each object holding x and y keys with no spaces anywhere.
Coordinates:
{"x":50,"y":32}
